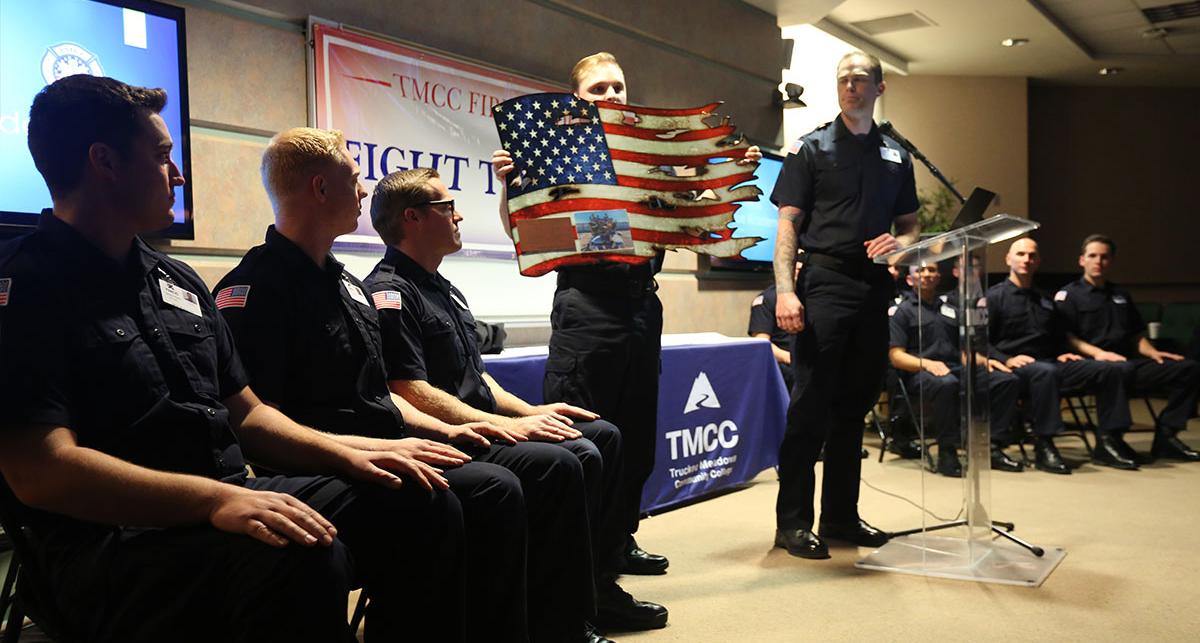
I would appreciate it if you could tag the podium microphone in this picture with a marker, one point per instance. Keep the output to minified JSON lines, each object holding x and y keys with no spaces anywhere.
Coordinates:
{"x":886,"y":127}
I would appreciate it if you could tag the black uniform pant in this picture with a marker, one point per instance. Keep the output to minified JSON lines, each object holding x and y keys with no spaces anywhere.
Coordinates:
{"x":599,"y":451}
{"x":561,"y":593}
{"x":1042,"y":381}
{"x":838,"y":361}
{"x":495,"y":524}
{"x":605,"y":357}
{"x":938,"y":399}
{"x":201,"y":584}
{"x":1180,"y":380}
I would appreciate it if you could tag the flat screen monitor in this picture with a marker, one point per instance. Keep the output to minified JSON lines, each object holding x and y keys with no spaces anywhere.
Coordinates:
{"x":756,"y":219}
{"x":135,"y":41}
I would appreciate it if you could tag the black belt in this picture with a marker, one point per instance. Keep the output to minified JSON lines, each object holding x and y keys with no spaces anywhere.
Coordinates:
{"x":855,"y":268}
{"x":612,"y":287}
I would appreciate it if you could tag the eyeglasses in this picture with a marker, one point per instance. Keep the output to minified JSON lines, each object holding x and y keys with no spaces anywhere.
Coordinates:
{"x":449,"y":202}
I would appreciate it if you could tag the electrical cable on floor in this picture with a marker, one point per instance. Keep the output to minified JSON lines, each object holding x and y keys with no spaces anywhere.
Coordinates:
{"x":900,"y":497}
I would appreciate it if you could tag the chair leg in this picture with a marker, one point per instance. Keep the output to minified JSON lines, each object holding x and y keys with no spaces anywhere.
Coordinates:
{"x":16,"y":620}
{"x":1150,"y":408}
{"x":10,"y":583}
{"x":360,"y":609}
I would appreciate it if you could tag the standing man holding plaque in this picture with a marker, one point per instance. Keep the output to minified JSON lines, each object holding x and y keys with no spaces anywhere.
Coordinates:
{"x":844,"y":187}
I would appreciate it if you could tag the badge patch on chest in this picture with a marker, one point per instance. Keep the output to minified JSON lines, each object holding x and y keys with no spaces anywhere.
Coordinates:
{"x":180,"y":298}
{"x":1119,"y":300}
{"x":356,"y":293}
{"x":458,"y":300}
{"x":888,"y":154}
{"x":949,"y":311}
{"x":1060,"y":295}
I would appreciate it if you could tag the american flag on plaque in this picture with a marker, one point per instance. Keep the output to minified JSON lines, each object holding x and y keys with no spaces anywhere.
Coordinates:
{"x":611,"y":182}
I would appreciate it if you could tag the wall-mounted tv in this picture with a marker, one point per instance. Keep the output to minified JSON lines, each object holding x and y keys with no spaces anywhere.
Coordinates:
{"x":756,"y":219}
{"x":136,"y":41}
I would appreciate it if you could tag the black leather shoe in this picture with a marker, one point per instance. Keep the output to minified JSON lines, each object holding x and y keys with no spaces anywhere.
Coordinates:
{"x":639,"y":562}
{"x":1047,"y":458}
{"x":1001,"y":461}
{"x":617,"y":610}
{"x":590,"y":635}
{"x":1128,"y":451}
{"x":801,"y":543}
{"x":907,"y":449}
{"x":1168,"y":445}
{"x":1108,"y":453}
{"x":948,"y":463}
{"x":860,"y":534}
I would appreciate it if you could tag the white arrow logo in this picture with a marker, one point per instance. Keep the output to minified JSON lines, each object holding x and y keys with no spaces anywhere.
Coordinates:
{"x":702,"y":395}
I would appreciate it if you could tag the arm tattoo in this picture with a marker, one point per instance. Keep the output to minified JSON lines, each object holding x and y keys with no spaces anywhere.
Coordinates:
{"x":785,"y":250}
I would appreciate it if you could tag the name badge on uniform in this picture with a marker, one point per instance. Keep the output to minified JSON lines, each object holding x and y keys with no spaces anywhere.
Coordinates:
{"x":1119,"y":300}
{"x":949,"y":311}
{"x":888,"y":154}
{"x":180,"y":298}
{"x":356,"y":293}
{"x":458,"y":300}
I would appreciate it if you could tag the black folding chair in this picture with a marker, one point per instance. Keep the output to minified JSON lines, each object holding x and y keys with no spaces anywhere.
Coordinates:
{"x":25,"y":593}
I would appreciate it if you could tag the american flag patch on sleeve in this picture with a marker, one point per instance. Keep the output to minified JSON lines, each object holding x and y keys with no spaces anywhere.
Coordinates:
{"x":233,"y":297}
{"x":386,"y":299}
{"x":5,"y":286}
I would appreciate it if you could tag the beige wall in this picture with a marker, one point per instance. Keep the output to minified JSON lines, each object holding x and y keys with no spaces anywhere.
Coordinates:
{"x":973,"y":128}
{"x":675,"y":52}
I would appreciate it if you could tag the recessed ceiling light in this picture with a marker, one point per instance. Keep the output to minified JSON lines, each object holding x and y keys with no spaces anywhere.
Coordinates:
{"x":1111,"y":71}
{"x":1014,"y":42}
{"x":1155,"y":33}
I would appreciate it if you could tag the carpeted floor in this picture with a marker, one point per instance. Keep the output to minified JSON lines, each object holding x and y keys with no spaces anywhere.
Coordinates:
{"x":1132,"y":570}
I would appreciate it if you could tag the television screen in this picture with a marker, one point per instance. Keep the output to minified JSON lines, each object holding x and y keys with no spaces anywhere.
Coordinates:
{"x":757,"y":219}
{"x":135,"y":41}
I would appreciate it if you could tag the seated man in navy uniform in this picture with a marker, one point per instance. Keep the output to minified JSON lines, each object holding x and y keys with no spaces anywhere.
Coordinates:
{"x":924,"y":347}
{"x":432,"y":360}
{"x":309,"y":338}
{"x":1028,"y":337}
{"x":127,"y":425}
{"x":1103,"y":324}
{"x":763,"y":326}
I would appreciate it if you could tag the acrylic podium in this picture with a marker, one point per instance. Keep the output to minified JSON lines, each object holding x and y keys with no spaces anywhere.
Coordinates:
{"x":972,"y":545}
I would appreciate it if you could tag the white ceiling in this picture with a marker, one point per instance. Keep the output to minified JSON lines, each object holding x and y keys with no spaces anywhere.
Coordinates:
{"x":1070,"y":40}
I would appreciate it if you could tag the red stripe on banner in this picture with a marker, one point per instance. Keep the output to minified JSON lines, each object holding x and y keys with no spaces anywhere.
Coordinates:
{"x":369,"y":80}
{"x":654,"y":134}
{"x":736,"y":152}
{"x":682,"y":186}
{"x":539,"y":269}
{"x":585,"y":205}
{"x":654,"y":111}
{"x":680,"y":238}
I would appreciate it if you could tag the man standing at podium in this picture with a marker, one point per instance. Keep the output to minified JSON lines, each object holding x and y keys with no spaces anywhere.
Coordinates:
{"x":844,"y":187}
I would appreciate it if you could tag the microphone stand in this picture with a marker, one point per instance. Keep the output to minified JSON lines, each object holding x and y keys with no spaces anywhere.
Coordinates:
{"x":887,"y":128}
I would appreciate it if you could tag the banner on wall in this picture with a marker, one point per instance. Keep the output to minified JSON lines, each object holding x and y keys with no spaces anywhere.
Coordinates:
{"x":401,"y":107}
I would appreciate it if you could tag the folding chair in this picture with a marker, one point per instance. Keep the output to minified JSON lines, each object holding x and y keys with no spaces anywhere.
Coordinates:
{"x":24,"y":593}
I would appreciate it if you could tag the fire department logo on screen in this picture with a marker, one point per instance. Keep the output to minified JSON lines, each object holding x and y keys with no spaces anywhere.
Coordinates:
{"x":69,"y":59}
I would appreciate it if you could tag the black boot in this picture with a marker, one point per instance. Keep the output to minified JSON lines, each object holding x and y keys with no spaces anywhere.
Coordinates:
{"x":1001,"y":461}
{"x":1167,"y":445}
{"x":637,"y":561}
{"x":948,"y":463}
{"x":1108,"y":452}
{"x":1047,"y":458}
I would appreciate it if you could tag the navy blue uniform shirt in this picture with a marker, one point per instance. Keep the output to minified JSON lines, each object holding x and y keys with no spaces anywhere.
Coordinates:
{"x":935,"y":337}
{"x":133,"y":357}
{"x":1022,"y":321}
{"x":762,"y":319}
{"x":310,"y":340}
{"x":429,"y":334}
{"x":849,"y":187}
{"x":1104,"y":317}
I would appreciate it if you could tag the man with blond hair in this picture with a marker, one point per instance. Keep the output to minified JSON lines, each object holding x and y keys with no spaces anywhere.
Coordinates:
{"x":309,"y":336}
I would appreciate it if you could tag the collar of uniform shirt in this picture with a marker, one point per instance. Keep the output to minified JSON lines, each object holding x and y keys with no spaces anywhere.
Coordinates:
{"x":405,"y":266}
{"x":291,"y":254}
{"x":84,"y":260}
